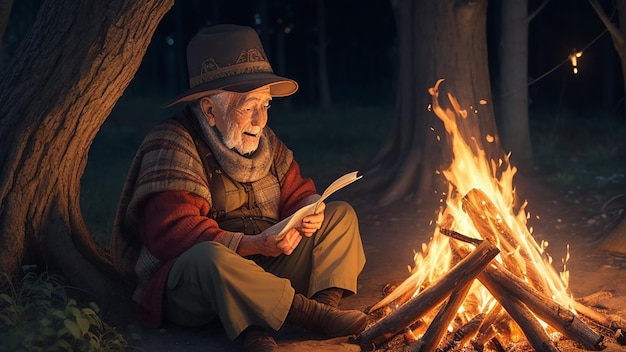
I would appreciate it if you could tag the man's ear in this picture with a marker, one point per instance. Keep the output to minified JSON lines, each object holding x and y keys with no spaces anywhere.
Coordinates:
{"x":206,"y":105}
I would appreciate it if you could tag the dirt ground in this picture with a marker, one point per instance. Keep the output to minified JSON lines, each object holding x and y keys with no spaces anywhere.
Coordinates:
{"x":391,"y":235}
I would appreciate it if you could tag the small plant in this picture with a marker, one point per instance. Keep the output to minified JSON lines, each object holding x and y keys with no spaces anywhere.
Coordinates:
{"x":37,"y":315}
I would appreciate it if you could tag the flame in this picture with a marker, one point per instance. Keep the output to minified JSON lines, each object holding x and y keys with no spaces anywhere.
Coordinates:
{"x":469,"y":170}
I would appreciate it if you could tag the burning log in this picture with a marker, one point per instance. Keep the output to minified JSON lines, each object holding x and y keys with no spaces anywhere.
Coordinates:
{"x":437,"y":328}
{"x":505,"y":286}
{"x":615,"y":324}
{"x":534,"y":332}
{"x":462,"y":273}
{"x":464,"y":333}
{"x":497,"y":345}
{"x":521,"y":314}
{"x":488,"y":221}
{"x":557,"y":316}
{"x":486,"y":330}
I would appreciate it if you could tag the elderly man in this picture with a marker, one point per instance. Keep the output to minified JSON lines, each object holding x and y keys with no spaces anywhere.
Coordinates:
{"x":202,"y":191}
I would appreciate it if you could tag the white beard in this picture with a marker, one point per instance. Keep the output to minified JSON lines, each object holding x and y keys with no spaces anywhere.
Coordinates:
{"x":232,"y":142}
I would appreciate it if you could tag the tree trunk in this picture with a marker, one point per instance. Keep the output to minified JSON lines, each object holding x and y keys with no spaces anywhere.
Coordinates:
{"x":615,"y":241}
{"x":63,"y":82}
{"x":5,"y":14}
{"x":618,"y":33}
{"x":513,"y":104}
{"x":322,"y":56}
{"x":437,"y":39}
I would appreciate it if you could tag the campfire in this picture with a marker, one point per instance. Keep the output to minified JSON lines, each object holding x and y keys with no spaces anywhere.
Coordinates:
{"x":483,"y":282}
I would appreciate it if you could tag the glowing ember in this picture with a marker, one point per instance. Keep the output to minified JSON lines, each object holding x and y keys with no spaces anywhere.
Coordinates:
{"x":472,"y":173}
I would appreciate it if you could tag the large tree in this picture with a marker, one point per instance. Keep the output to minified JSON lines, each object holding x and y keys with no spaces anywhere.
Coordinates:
{"x":5,"y":12}
{"x":437,"y":39}
{"x":513,"y":98}
{"x":614,"y":239}
{"x":617,"y":32}
{"x":61,"y":85}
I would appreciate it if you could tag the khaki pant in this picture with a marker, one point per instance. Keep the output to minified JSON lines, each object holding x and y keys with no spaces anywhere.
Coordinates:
{"x":211,"y":280}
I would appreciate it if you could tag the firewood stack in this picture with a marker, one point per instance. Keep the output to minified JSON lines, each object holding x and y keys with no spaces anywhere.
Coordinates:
{"x":522,"y":302}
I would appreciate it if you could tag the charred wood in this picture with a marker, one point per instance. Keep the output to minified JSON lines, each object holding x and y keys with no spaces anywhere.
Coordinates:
{"x":487,"y":330}
{"x":558,"y":317}
{"x":552,"y":313}
{"x":462,"y":273}
{"x":464,"y":333}
{"x":615,"y":324}
{"x":437,"y":328}
{"x":534,"y":332}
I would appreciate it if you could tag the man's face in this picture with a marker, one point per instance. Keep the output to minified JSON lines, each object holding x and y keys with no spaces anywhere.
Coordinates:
{"x":241,"y":117}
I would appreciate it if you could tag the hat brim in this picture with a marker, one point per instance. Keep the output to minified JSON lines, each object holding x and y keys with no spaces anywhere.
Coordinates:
{"x":279,"y":86}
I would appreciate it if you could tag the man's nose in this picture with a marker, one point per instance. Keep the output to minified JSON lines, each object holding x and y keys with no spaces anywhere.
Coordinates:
{"x":260,"y":117}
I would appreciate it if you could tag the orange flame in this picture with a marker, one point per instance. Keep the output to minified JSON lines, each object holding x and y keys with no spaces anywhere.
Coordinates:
{"x":471,"y":169}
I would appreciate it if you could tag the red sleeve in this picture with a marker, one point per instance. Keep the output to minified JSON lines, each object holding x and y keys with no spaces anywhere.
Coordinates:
{"x":174,"y":221}
{"x":295,"y":189}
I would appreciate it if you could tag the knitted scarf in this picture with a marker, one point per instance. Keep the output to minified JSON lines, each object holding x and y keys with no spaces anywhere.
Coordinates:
{"x":241,"y":168}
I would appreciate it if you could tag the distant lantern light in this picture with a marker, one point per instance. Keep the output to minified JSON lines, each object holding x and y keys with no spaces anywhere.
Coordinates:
{"x":169,"y":40}
{"x":574,"y":59}
{"x":257,"y":19}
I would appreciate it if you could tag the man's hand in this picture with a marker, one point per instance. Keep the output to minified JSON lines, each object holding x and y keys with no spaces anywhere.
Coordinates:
{"x":313,"y":222}
{"x":270,"y":246}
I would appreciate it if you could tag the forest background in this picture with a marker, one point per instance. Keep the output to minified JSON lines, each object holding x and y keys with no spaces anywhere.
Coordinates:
{"x":577,"y":120}
{"x":584,"y":108}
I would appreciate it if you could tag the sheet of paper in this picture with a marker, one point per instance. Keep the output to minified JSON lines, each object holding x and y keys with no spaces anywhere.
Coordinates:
{"x":295,"y":219}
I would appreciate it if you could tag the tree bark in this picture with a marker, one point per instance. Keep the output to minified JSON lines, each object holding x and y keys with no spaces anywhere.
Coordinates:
{"x":63,"y":82}
{"x":437,"y":39}
{"x":513,"y":104}
{"x":5,"y":14}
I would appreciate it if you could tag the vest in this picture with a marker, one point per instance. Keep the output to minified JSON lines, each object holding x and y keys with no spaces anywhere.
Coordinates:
{"x":234,"y":205}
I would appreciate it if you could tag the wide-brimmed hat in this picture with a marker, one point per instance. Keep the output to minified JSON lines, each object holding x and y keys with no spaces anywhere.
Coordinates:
{"x":230,"y":57}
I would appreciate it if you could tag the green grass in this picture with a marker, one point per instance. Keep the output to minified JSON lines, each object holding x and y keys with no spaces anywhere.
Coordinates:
{"x":36,"y":314}
{"x":325,"y":144}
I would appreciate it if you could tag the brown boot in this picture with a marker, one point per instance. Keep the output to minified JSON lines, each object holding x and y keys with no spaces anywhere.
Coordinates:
{"x":316,"y":316}
{"x":330,"y":296}
{"x":257,"y":339}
